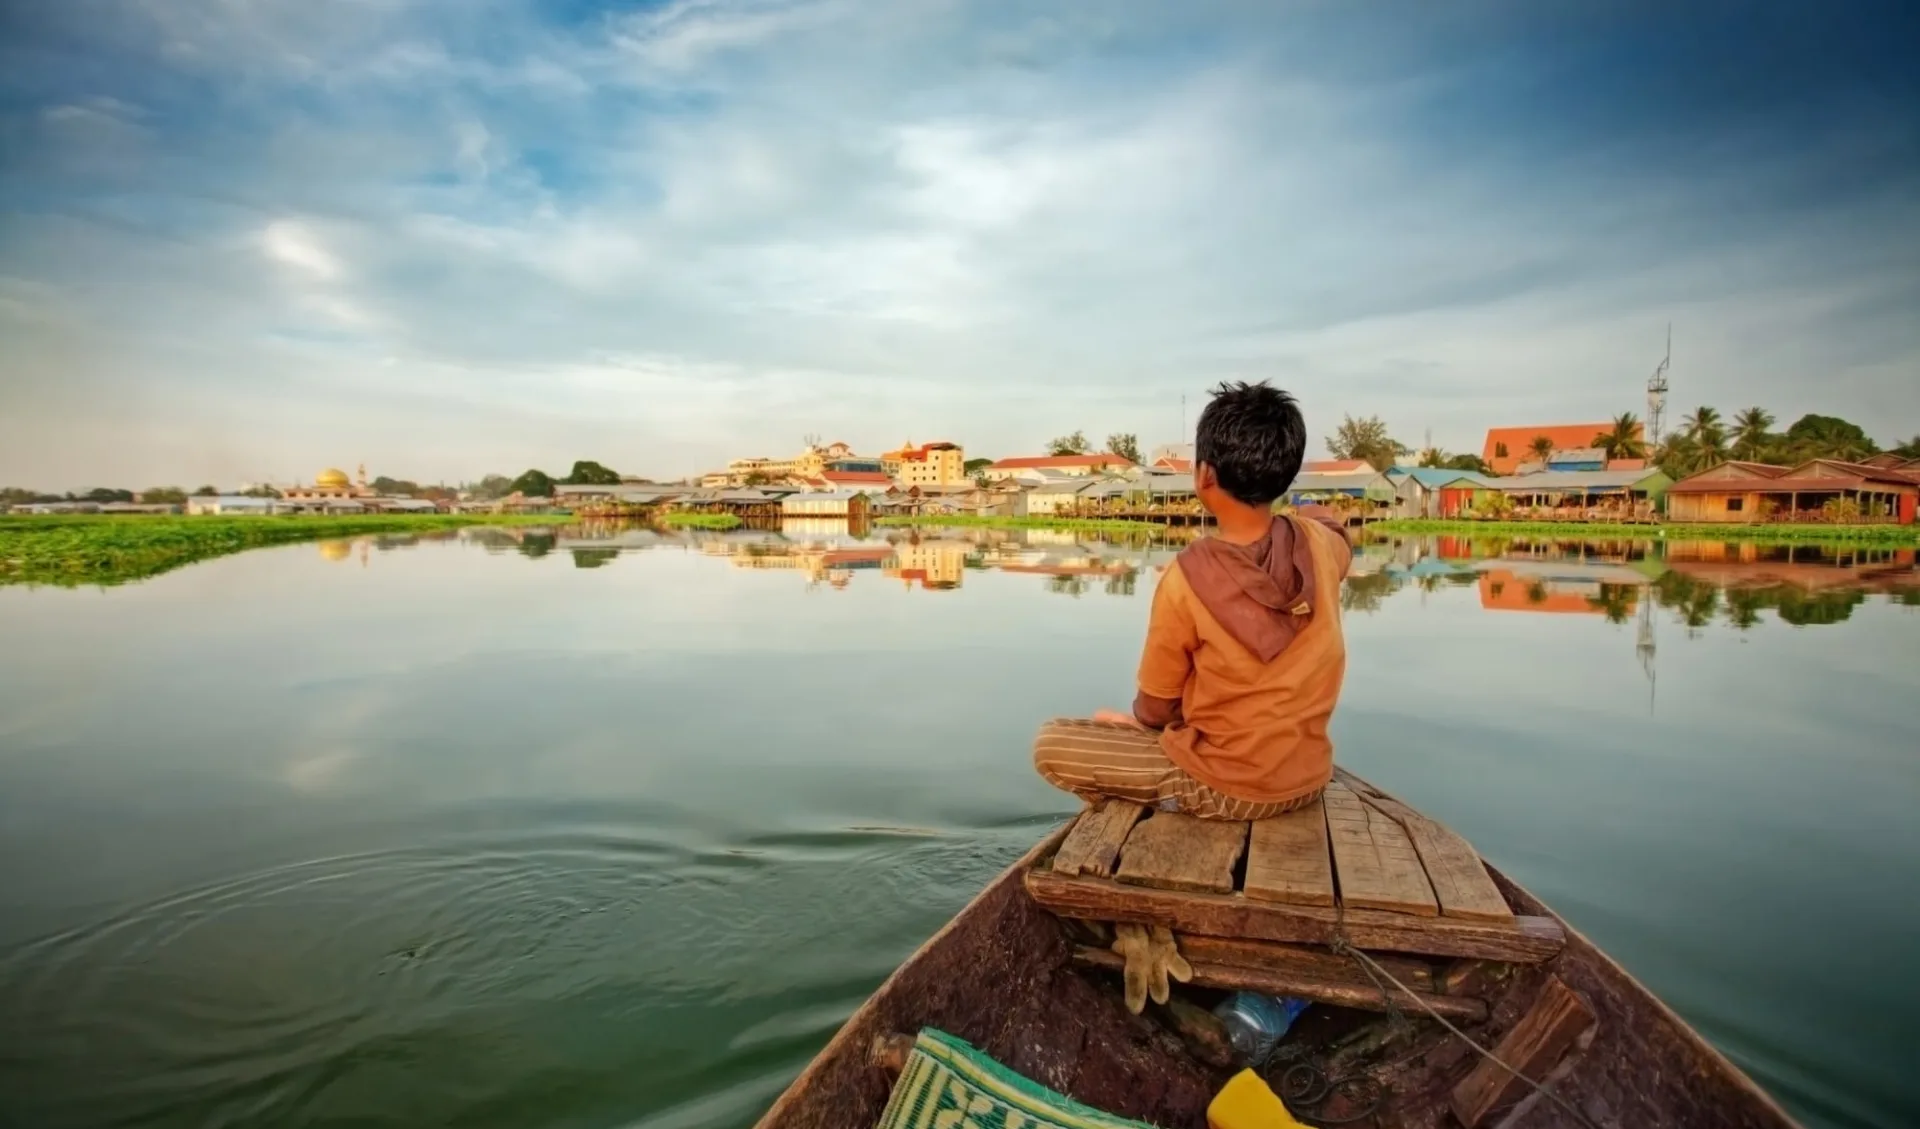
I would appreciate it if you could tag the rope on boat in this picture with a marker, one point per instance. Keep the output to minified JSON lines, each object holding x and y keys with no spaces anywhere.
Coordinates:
{"x":1341,"y":946}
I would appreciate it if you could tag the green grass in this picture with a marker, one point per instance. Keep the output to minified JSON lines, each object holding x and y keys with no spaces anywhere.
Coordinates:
{"x":77,"y":549}
{"x":701,"y":521}
{"x":1111,"y":525}
{"x":1761,"y":534}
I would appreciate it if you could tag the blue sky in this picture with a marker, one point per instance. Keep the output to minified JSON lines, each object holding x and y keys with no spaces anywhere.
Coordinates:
{"x":246,"y":239}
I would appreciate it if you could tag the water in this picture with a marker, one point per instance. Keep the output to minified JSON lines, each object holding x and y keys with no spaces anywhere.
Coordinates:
{"x":614,"y":829}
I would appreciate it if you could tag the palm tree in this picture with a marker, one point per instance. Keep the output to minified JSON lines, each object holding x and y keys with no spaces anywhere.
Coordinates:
{"x":1704,"y":427}
{"x":1750,"y":436}
{"x":1622,"y":440}
{"x":1542,"y":447}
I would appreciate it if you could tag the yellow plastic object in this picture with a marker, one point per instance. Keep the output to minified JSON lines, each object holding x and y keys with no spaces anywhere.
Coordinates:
{"x":1246,"y":1102}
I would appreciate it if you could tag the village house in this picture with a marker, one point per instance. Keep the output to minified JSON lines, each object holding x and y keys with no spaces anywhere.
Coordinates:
{"x":853,"y":505}
{"x":1365,"y":494}
{"x":930,"y":464}
{"x":229,"y":504}
{"x":1746,"y":492}
{"x":1078,"y":466}
{"x":1435,"y":492}
{"x":1596,"y":495}
{"x":1507,"y":448}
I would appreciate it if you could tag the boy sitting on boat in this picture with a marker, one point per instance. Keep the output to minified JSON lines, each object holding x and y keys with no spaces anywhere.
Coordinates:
{"x":1244,"y":654}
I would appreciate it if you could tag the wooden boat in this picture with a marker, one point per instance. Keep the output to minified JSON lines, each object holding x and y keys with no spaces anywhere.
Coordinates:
{"x":1019,"y":974}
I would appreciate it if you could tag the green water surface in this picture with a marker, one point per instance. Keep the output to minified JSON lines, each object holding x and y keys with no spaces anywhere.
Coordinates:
{"x":595,"y":828}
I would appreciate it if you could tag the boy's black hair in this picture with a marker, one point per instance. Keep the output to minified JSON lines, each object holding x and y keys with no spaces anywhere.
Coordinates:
{"x":1253,"y":436}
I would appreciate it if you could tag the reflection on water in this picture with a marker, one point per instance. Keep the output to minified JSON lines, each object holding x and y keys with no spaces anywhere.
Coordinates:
{"x":1617,"y":579}
{"x":607,"y":825}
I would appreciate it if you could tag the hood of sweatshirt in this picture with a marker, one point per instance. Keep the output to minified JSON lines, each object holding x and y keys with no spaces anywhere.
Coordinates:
{"x":1262,"y":593}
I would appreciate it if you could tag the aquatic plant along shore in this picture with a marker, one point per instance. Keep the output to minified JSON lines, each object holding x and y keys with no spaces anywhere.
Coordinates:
{"x":1897,"y":535}
{"x":88,"y":549}
{"x":701,"y":521}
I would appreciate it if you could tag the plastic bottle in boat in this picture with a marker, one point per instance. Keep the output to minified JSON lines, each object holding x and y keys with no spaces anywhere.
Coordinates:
{"x":1255,"y":1023}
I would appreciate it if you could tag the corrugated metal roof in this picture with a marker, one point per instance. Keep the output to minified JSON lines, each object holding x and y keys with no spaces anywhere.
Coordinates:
{"x":1433,"y":477}
{"x":1546,"y":482}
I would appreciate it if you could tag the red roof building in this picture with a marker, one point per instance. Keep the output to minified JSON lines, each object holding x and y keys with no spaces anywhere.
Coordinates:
{"x":1741,"y":492}
{"x":1338,"y":466}
{"x":1507,"y":447}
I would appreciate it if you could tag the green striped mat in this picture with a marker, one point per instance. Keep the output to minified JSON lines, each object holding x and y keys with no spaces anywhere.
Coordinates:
{"x":949,"y":1085}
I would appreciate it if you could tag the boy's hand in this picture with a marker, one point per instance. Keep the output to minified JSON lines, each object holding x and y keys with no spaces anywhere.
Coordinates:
{"x":1115,"y":717}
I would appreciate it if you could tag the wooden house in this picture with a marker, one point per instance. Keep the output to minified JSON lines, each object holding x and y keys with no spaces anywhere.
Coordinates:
{"x":1435,"y":492}
{"x":853,"y":505}
{"x":1735,"y":493}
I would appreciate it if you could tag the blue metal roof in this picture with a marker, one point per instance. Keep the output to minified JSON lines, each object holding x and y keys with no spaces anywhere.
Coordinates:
{"x":1433,"y":477}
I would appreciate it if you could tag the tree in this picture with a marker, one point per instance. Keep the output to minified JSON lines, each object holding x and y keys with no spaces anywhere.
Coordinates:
{"x":1706,"y":431}
{"x":1908,"y":450}
{"x":163,"y":495}
{"x":206,"y":492}
{"x":1366,"y":439}
{"x":1075,"y":444}
{"x":1124,"y":444}
{"x":1622,"y":440}
{"x":532,"y":484}
{"x":974,"y":467}
{"x":589,"y":473}
{"x":1473,"y":463}
{"x":1827,"y":437}
{"x":491,"y":486}
{"x":1542,"y":448}
{"x":259,"y":492}
{"x":395,"y":487}
{"x":1751,"y":439}
{"x":104,"y":495}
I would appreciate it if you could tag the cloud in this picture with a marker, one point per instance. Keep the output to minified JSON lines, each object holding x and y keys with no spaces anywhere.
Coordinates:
{"x":660,"y":236}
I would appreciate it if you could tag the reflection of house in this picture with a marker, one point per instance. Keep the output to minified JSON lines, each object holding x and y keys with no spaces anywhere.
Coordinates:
{"x":1741,"y":492}
{"x":934,"y":563}
{"x":1738,"y":565}
{"x":1561,"y":591}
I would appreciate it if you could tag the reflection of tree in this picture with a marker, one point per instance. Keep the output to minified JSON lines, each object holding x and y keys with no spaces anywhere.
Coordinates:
{"x":1807,"y":609}
{"x":1694,"y":600}
{"x":1121,"y":583}
{"x":593,"y":558}
{"x":1536,"y":592}
{"x":537,"y":544}
{"x":1744,"y":606}
{"x":1615,"y":602}
{"x":1067,"y":585}
{"x":1366,"y":593}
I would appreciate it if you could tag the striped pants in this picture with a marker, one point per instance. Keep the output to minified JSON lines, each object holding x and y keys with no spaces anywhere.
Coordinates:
{"x":1097,"y":758}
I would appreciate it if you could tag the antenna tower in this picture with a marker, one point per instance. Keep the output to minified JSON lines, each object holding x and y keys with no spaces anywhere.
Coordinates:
{"x":1657,"y":394}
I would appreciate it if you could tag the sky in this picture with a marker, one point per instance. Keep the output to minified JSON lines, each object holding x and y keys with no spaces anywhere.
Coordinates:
{"x":243,"y":240}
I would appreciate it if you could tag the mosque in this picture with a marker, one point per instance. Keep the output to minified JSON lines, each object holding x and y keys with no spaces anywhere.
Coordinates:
{"x":330,"y":487}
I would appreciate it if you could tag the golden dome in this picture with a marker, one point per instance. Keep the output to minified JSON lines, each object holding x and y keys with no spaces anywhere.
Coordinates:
{"x":331,"y":477}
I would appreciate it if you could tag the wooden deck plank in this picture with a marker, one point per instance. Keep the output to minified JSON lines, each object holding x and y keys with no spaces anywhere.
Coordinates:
{"x":1460,"y":881}
{"x":1529,"y":940}
{"x":1092,"y":846}
{"x":1287,"y":858}
{"x":1533,"y":1047}
{"x":1284,"y":981}
{"x":1242,"y":953}
{"x":1171,"y":851}
{"x":1374,"y":860}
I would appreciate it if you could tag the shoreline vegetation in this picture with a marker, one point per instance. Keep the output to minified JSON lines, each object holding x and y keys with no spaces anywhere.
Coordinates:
{"x":69,"y":551}
{"x":1897,"y":535}
{"x":700,"y":521}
